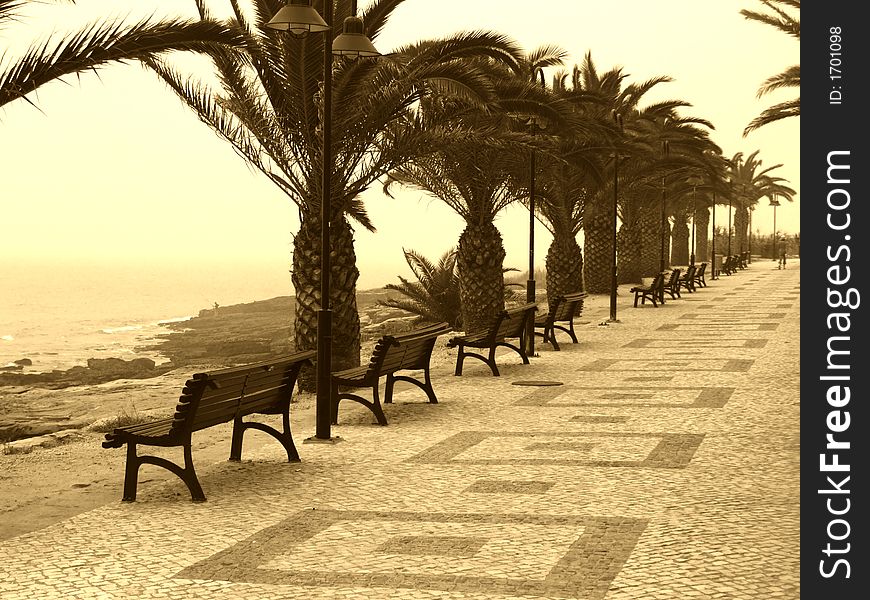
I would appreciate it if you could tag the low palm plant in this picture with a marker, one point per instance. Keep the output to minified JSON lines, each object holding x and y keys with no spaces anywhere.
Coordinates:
{"x":434,"y":297}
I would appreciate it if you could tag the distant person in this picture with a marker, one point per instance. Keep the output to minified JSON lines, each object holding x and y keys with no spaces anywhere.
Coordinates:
{"x":781,"y":260}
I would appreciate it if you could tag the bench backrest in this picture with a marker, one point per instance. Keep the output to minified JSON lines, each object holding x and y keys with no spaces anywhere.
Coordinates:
{"x":512,"y":323}
{"x":690,"y":273}
{"x":406,"y":351}
{"x":700,"y":271}
{"x":568,"y":306}
{"x":219,"y":396}
{"x":675,"y":278}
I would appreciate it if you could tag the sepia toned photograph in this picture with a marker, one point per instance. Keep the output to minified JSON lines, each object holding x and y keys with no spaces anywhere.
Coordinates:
{"x":403,"y":299}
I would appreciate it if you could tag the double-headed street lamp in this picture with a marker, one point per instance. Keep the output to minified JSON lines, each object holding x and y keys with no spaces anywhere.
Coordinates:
{"x":617,"y":118}
{"x":299,"y":18}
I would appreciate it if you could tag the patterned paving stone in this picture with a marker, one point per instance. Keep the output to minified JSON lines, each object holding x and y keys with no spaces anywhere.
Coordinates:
{"x":640,"y":364}
{"x":562,"y":556}
{"x":637,"y":479}
{"x":672,"y":396}
{"x":667,"y":450}
{"x":499,"y":486}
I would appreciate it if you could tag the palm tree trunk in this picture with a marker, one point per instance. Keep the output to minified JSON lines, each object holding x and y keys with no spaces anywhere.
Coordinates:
{"x":598,"y":248}
{"x":680,"y":239}
{"x":564,"y":267}
{"x":480,"y":260}
{"x":342,"y":294}
{"x":639,"y":243}
{"x":741,"y":223}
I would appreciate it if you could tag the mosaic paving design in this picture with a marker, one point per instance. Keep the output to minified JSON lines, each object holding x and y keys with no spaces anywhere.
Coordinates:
{"x":753,"y":316}
{"x":726,"y":326}
{"x":701,"y":342}
{"x":535,"y":555}
{"x":501,"y":486}
{"x":682,"y":397}
{"x":650,"y":450}
{"x":640,"y":364}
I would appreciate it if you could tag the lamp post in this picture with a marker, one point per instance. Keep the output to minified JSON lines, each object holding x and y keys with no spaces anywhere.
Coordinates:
{"x":713,"y":246}
{"x":666,"y":150}
{"x":695,"y":181}
{"x":299,"y":18}
{"x":530,"y":283}
{"x":729,"y":225}
{"x":617,"y":118}
{"x":774,"y":202}
{"x":749,"y":239}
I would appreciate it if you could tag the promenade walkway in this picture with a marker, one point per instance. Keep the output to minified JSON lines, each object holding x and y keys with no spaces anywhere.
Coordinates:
{"x":665,"y":467}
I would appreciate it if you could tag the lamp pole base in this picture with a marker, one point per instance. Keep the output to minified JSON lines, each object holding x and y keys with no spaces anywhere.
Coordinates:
{"x":317,"y":440}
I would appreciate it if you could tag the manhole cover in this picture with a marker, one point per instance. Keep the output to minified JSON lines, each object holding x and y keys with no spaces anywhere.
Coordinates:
{"x":537,"y":383}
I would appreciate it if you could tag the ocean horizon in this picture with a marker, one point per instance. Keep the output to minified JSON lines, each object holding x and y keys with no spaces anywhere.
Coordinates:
{"x":59,"y":315}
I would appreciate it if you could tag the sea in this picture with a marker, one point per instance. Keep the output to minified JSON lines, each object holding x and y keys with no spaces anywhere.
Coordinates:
{"x":60,"y":314}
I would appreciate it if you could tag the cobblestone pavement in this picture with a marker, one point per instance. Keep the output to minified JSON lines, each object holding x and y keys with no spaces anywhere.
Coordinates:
{"x":665,"y":466}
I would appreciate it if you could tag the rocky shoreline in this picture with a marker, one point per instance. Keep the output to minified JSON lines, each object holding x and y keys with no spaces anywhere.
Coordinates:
{"x":42,"y":403}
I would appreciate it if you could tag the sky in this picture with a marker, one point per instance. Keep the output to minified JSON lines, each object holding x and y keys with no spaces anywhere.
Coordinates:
{"x":111,"y":167}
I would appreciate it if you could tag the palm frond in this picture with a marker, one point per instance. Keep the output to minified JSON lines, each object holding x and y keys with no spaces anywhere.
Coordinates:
{"x":101,"y":43}
{"x":791,"y":77}
{"x":777,"y":112}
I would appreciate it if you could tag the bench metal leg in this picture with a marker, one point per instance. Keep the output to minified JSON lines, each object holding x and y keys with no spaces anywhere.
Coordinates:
{"x":285,"y":438}
{"x":187,"y":473}
{"x":460,"y":358}
{"x":425,"y":385}
{"x":131,"y":474}
{"x":374,"y":406}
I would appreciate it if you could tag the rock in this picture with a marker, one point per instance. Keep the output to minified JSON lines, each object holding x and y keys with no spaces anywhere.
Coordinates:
{"x":24,"y":362}
{"x":98,"y":370}
{"x":11,"y":367}
{"x":116,"y":365}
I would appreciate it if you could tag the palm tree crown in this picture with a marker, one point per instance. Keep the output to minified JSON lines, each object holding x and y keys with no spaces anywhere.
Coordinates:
{"x":791,"y":77}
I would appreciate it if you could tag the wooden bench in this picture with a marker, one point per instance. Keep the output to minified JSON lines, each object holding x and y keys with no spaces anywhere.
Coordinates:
{"x":654,"y":291}
{"x":672,"y":286}
{"x":687,"y":280}
{"x":508,"y":324}
{"x":209,"y":399}
{"x":728,"y":265}
{"x":565,"y":308}
{"x":406,"y":352}
{"x":698,"y":279}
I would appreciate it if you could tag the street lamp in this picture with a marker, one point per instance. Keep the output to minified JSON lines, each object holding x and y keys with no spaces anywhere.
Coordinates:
{"x":695,"y":182}
{"x":666,"y":151}
{"x":617,"y":118}
{"x":298,"y":17}
{"x":751,"y":210}
{"x":530,"y":283}
{"x":729,"y":224}
{"x":713,"y":246}
{"x":774,"y":202}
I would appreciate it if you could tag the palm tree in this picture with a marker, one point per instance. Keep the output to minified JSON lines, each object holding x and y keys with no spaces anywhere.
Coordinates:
{"x":636,"y":173}
{"x":269,"y":107}
{"x":750,"y":183}
{"x":642,"y":178}
{"x":472,"y":168}
{"x":791,"y":77}
{"x":102,"y":43}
